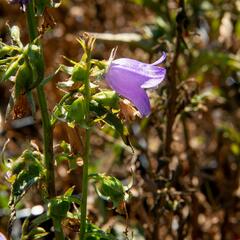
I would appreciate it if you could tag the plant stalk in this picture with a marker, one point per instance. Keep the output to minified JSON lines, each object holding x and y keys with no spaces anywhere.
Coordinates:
{"x":47,"y":128}
{"x":83,"y":207}
{"x":85,"y":186}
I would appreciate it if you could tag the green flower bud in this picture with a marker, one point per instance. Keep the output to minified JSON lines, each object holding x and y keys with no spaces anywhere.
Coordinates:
{"x":77,"y":111}
{"x":79,"y":73}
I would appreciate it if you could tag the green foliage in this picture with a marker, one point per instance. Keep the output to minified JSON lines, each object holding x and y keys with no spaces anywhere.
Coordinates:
{"x":77,"y":111}
{"x":111,"y":119}
{"x":107,"y":98}
{"x":66,"y":155}
{"x":95,"y":233}
{"x":79,"y":72}
{"x":110,"y":188}
{"x":32,"y":233}
{"x":23,"y":65}
{"x":26,"y":172}
{"x":33,"y":52}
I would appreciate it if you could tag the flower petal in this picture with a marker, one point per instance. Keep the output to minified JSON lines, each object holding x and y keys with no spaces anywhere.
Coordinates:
{"x":136,"y":67}
{"x":141,"y":102}
{"x":154,"y":82}
{"x":161,"y":59}
{"x":128,"y":85}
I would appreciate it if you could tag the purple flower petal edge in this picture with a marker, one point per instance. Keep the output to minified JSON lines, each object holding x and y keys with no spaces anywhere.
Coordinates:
{"x":129,"y":78}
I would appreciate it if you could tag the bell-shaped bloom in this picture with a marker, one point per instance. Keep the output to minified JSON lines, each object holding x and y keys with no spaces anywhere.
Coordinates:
{"x":130,"y":78}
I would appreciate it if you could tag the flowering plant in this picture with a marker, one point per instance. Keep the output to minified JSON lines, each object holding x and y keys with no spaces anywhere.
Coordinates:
{"x":84,"y":103}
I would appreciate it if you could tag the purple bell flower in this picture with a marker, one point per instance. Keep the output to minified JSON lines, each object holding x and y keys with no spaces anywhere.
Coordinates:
{"x":129,"y":78}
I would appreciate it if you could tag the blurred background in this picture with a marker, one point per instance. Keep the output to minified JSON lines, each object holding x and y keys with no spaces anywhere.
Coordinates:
{"x":186,"y":158}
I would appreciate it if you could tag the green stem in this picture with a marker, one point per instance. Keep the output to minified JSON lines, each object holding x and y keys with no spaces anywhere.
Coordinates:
{"x":31,"y":21}
{"x":83,"y":207}
{"x":85,"y":186}
{"x":47,"y":129}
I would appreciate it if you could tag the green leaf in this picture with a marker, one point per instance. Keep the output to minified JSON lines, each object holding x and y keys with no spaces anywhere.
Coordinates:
{"x":36,"y":233}
{"x":5,"y":50}
{"x":77,"y":111}
{"x":111,"y":119}
{"x":26,"y":171}
{"x":36,"y":62}
{"x":39,"y":220}
{"x":95,"y":233}
{"x":109,"y":188}
{"x":79,"y":73}
{"x":69,"y":192}
{"x":11,"y":70}
{"x":25,"y":179}
{"x":58,"y":208}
